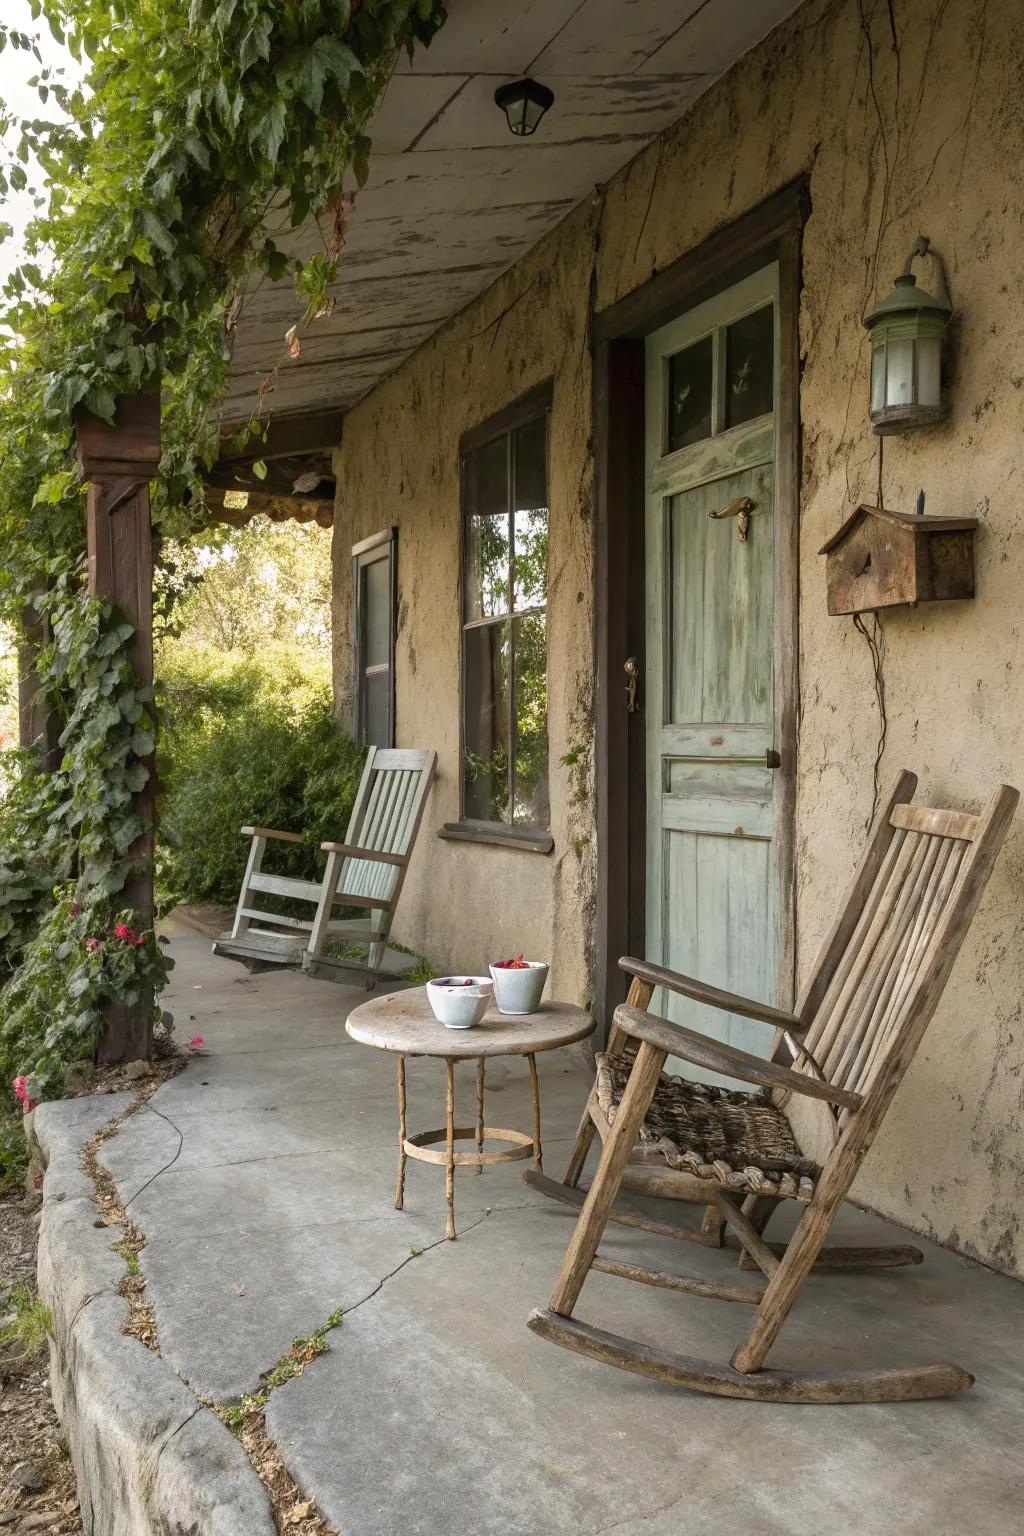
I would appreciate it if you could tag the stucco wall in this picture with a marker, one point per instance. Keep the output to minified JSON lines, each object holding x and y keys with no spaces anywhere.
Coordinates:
{"x":907,"y":118}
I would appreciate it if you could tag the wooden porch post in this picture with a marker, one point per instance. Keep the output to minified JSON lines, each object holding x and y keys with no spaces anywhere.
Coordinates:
{"x":118,"y":462}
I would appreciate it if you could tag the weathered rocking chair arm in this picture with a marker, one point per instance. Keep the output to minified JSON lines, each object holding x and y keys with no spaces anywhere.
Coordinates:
{"x":688,"y":986}
{"x":375,"y":855}
{"x":716,"y":1056}
{"x":284,"y":837}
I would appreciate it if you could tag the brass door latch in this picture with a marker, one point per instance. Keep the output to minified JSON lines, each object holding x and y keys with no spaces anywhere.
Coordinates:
{"x":630,"y":669}
{"x":740,"y":509}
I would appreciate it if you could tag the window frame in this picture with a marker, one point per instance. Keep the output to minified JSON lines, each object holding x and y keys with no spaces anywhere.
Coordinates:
{"x":530,"y":407}
{"x":379,"y":546}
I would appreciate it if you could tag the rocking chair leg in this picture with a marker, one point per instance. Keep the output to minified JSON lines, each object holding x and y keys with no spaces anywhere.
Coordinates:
{"x":796,"y":1264}
{"x":758,"y":1211}
{"x":640,"y":993}
{"x":639,"y":1091}
{"x":580,"y":1148}
{"x":319,"y":933}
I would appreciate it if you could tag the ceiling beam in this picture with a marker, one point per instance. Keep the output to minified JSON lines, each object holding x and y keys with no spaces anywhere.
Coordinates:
{"x":286,"y":437}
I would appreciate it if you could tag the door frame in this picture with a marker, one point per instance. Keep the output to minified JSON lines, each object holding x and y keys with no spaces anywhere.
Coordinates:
{"x":770,"y":232}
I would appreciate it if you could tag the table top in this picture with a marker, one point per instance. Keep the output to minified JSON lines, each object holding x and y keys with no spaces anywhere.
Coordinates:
{"x":404,"y":1022}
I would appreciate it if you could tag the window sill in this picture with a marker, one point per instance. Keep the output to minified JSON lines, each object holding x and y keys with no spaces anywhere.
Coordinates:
{"x":523,"y":838}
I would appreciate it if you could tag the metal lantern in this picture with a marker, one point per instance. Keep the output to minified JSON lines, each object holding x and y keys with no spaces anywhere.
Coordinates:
{"x":908,"y":333}
{"x":524,"y":103}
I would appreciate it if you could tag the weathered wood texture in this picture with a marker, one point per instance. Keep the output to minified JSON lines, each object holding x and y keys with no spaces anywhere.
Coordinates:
{"x":405,"y":1022}
{"x":863,"y":1013}
{"x":118,"y":462}
{"x":882,"y":559}
{"x":366,"y":870}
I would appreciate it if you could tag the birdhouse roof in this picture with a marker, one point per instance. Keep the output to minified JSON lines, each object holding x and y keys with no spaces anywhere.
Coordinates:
{"x":900,"y":520}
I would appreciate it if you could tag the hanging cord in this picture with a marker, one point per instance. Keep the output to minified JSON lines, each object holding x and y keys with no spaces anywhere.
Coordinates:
{"x":875,"y":638}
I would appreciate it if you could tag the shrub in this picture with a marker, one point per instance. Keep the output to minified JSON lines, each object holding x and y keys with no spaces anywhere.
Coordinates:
{"x":247,"y":742}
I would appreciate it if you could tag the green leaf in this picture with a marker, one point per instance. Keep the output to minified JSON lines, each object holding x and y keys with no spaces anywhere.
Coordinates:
{"x":259,"y":469}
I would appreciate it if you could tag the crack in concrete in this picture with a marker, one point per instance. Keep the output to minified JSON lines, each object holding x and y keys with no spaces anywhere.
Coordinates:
{"x":153,"y":1177}
{"x":409,"y":1258}
{"x":650,"y":1514}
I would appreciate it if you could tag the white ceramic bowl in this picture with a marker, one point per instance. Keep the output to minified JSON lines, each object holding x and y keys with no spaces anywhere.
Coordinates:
{"x":459,"y":1007}
{"x":519,"y":990}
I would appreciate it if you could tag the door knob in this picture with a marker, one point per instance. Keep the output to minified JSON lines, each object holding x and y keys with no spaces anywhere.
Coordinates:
{"x":740,"y":508}
{"x":629,"y":666}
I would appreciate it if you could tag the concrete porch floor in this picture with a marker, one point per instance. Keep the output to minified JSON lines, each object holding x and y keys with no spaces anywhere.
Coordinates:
{"x":263,"y":1178}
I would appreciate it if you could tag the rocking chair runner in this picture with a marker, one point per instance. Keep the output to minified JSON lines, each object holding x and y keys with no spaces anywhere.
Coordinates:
{"x":366,"y":870}
{"x":856,"y":1026}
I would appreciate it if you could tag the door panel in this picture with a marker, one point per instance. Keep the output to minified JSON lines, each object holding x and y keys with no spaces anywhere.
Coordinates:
{"x":712,"y":877}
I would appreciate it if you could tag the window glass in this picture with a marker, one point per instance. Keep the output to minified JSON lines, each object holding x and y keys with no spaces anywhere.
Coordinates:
{"x":505,"y":749}
{"x":486,"y":471}
{"x":689,"y":395}
{"x":530,"y":522}
{"x":373,"y":568}
{"x":377,"y":701}
{"x":530,"y":806}
{"x":749,"y":367}
{"x":487,"y":566}
{"x":377,"y":611}
{"x":486,"y":693}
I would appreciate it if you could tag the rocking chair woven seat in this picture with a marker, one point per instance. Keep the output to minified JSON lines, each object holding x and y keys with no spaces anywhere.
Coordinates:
{"x":740,"y":1140}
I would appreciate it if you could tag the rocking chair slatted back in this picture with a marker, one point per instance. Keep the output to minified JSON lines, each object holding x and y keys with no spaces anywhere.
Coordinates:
{"x":906,"y":917}
{"x":384,"y":819}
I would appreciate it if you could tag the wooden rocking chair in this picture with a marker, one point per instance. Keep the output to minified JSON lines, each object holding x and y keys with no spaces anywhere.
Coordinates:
{"x":857,"y":1024}
{"x":366,"y":870}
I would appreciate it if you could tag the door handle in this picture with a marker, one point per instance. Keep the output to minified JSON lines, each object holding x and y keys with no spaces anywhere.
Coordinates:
{"x":629,"y":666}
{"x":740,"y":508}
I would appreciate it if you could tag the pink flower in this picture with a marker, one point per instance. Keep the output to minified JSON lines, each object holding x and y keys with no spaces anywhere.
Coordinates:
{"x":20,"y":1086}
{"x":195,"y":1042}
{"x":93,"y":946}
{"x":128,"y":935}
{"x":75,"y":909}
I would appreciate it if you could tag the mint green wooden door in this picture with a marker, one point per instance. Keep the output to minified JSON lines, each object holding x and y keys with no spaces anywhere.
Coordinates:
{"x":711,"y":870}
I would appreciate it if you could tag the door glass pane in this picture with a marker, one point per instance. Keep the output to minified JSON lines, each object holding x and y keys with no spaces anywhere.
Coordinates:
{"x":377,"y":613}
{"x":530,"y":802}
{"x":750,"y":367}
{"x":531,"y":514}
{"x":376,"y":693}
{"x":486,"y":682}
{"x":689,"y":395}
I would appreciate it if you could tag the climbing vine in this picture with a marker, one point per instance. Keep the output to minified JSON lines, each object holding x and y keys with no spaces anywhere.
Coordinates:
{"x":196,"y":141}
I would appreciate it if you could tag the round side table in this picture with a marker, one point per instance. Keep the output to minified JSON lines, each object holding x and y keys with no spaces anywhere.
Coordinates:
{"x":404,"y":1023}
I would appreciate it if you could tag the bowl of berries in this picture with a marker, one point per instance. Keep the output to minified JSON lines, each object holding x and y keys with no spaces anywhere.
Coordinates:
{"x":459,"y":1002}
{"x":518,"y":984}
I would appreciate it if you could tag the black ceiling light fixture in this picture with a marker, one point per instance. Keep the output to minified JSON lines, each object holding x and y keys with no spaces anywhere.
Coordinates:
{"x":524,"y":103}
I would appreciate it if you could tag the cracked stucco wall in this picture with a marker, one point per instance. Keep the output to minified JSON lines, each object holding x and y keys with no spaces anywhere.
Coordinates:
{"x":907,"y":118}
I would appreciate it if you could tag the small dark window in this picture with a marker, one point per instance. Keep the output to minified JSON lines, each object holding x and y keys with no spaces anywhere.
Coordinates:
{"x":374,"y":584}
{"x":749,"y":367}
{"x":689,"y":394}
{"x":504,"y":657}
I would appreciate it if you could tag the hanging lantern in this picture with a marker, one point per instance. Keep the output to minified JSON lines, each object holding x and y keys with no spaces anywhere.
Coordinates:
{"x":908,"y":333}
{"x":524,"y":103}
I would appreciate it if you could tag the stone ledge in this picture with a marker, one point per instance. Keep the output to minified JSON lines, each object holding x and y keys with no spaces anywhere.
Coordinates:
{"x":150,"y":1460}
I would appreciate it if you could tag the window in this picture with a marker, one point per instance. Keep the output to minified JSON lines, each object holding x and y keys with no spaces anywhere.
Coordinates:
{"x":374,"y":585}
{"x":721,"y":381}
{"x":504,"y":642}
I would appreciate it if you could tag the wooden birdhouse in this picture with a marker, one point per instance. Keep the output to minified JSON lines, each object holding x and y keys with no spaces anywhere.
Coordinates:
{"x":881,"y":559}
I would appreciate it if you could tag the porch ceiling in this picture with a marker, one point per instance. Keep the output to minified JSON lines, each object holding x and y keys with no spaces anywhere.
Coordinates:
{"x":453,"y":199}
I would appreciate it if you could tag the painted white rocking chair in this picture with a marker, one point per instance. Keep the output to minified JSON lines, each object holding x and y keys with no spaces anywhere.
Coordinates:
{"x":366,"y":870}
